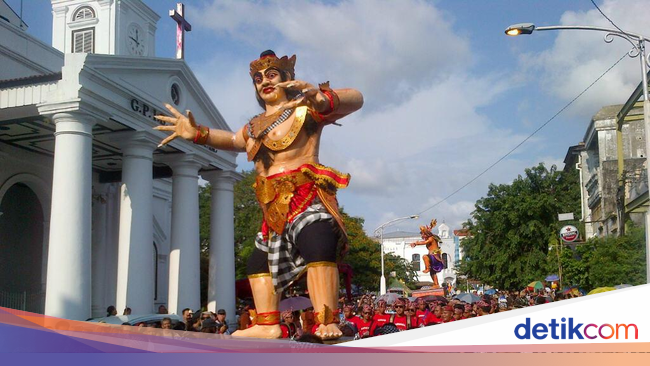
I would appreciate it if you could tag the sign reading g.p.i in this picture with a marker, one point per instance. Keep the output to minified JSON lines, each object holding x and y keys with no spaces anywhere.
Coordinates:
{"x":569,"y":233}
{"x":144,"y":109}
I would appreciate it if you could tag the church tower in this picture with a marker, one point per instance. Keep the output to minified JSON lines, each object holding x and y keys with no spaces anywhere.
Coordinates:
{"x":443,"y":231}
{"x":112,"y":27}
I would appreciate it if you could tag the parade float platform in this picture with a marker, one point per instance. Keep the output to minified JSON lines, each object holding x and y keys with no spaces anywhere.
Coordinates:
{"x":429,"y":292}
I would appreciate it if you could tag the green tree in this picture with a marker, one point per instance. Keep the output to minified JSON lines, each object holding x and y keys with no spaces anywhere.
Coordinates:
{"x":512,"y":228}
{"x":248,"y":219}
{"x":606,"y":261}
{"x":364,"y":256}
{"x":204,"y":239}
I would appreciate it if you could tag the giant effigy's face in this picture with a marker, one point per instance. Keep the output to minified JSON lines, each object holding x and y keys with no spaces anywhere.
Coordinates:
{"x":265,"y":84}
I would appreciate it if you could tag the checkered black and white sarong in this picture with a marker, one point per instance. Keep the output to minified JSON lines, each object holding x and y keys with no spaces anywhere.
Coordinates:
{"x":285,"y":261}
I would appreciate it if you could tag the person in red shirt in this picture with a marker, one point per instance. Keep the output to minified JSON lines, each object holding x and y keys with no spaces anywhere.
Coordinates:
{"x":380,"y":318}
{"x":467,"y":313}
{"x":447,"y":314}
{"x":458,"y":312}
{"x":365,"y":322}
{"x":348,"y":316}
{"x":434,"y":317}
{"x":402,"y":320}
{"x":288,"y":326}
{"x":411,"y":309}
{"x":421,"y":311}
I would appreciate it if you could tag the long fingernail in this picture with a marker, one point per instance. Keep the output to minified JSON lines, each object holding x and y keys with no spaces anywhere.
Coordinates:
{"x":160,"y":145}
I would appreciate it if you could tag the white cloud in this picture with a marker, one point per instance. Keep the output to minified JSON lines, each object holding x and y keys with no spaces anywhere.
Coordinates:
{"x":577,"y":58}
{"x":399,"y":46}
{"x":421,"y":134}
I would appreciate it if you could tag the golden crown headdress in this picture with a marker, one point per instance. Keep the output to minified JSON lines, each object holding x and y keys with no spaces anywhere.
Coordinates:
{"x":426,"y":230}
{"x":269,"y":59}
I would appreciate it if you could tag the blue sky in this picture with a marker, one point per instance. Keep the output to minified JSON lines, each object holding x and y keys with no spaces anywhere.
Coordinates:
{"x":447,"y":93}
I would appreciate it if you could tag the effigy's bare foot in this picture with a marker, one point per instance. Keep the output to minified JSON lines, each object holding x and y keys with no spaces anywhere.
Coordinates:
{"x":260,"y":331}
{"x":330,"y":331}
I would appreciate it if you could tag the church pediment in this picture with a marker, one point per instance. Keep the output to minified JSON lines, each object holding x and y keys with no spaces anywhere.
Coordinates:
{"x":143,"y":85}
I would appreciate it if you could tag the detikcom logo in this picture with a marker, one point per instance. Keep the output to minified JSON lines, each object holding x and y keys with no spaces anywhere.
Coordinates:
{"x":569,"y":330}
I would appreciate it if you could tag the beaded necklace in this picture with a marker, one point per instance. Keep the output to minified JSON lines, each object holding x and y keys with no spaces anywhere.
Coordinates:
{"x":264,"y":119}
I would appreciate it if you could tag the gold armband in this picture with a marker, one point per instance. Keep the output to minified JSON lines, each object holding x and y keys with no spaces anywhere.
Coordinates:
{"x":202,"y":135}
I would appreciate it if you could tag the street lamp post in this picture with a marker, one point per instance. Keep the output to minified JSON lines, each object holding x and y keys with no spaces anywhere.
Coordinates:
{"x":380,"y":232}
{"x":638,"y":43}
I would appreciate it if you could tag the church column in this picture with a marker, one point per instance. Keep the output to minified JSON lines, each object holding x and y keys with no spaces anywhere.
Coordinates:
{"x":111,"y":241}
{"x":99,"y":263}
{"x":68,"y":289}
{"x":135,"y":268}
{"x":221,"y":285}
{"x":184,"y":256}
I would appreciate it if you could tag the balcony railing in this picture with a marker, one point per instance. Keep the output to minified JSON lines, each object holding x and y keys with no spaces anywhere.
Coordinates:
{"x":25,"y":301}
{"x":636,"y":184}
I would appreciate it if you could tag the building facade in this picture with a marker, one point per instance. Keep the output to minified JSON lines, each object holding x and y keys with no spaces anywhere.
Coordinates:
{"x":92,"y":212}
{"x":398,"y":243}
{"x":596,"y":158}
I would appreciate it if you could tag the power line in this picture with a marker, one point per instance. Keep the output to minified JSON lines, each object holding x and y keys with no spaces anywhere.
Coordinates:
{"x":606,"y":17}
{"x":526,"y":139}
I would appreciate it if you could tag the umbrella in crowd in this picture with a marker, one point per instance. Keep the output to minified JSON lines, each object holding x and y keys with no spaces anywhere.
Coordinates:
{"x":535,"y":285}
{"x":468,"y":298}
{"x":388,"y":297}
{"x":430,"y":298}
{"x":295,"y":303}
{"x":552,"y":278}
{"x":601,"y":289}
{"x":490,"y":291}
{"x":575,"y":291}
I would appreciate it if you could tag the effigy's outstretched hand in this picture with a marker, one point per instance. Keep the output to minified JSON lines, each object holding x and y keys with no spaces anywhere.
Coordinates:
{"x":182,"y":126}
{"x":309,"y":95}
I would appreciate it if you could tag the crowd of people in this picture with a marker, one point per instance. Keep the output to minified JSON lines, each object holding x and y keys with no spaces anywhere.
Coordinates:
{"x":366,"y":316}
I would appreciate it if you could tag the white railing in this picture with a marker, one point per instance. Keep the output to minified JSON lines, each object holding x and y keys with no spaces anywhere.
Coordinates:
{"x":33,"y":302}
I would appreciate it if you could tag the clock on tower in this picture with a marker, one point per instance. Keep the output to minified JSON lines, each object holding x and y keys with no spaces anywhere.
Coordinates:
{"x":135,"y":40}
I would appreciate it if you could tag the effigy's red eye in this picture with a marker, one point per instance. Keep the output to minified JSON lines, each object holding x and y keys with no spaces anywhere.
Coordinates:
{"x":257,"y":78}
{"x":271,"y":74}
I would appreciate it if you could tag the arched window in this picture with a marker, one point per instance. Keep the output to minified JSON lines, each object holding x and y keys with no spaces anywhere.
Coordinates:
{"x":445,"y":260}
{"x":84,"y":12}
{"x":415,"y":262}
{"x":83,"y":40}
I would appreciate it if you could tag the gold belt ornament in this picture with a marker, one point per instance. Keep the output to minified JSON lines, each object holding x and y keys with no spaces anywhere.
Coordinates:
{"x":275,"y":197}
{"x":275,"y":193}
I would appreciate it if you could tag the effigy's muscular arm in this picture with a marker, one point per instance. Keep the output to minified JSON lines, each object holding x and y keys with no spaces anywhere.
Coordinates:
{"x":185,"y":126}
{"x":421,"y":242}
{"x":351,"y":100}
{"x":332,"y":104}
{"x":226,"y":140}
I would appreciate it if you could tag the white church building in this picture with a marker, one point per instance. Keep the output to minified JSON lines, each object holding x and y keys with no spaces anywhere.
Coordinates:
{"x":398,"y":243}
{"x":92,"y":213}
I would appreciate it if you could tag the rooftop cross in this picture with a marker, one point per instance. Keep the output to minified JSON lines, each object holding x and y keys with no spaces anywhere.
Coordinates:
{"x":181,"y":26}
